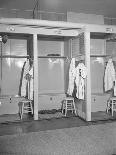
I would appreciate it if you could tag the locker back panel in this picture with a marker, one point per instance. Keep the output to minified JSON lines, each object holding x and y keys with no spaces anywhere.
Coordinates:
{"x":51,"y":70}
{"x":97,"y":75}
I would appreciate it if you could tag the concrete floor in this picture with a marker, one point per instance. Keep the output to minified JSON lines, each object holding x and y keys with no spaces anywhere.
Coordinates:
{"x":97,"y":139}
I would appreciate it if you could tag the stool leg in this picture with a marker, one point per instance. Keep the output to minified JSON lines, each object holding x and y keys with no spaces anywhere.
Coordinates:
{"x":62,"y":108}
{"x":74,"y":108}
{"x":22,"y":107}
{"x":112,"y":108}
{"x":31,"y":108}
{"x":108,"y":106}
{"x":65,"y":108}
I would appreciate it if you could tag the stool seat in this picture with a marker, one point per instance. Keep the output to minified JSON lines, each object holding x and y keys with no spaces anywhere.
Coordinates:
{"x":25,"y":106}
{"x":111,"y":105}
{"x":68,"y":104}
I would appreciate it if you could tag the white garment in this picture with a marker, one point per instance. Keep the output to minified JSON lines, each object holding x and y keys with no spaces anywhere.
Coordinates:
{"x":24,"y":81}
{"x":30,"y":94}
{"x":81,"y":73}
{"x":71,"y":77}
{"x":109,"y":77}
{"x":81,"y":89}
{"x":115,"y":88}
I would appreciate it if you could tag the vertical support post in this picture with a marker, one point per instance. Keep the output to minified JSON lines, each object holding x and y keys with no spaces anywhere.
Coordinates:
{"x":35,"y":53}
{"x":1,"y":59}
{"x":88,"y":81}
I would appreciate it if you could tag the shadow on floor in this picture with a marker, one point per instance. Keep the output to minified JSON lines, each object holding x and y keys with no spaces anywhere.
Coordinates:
{"x":102,"y":115}
{"x":26,"y":126}
{"x":11,"y":124}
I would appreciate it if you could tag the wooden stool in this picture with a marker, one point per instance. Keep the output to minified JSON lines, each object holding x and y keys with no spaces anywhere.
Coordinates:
{"x":111,"y":105}
{"x":25,"y":106}
{"x":68,"y":104}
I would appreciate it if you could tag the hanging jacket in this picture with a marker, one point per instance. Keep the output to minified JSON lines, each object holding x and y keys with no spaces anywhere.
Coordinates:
{"x":109,"y":77}
{"x":30,"y":93}
{"x":24,"y":81}
{"x":71,"y":77}
{"x":80,"y":75}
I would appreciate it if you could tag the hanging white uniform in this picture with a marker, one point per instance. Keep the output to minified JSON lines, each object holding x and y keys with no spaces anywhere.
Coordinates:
{"x":71,"y":77}
{"x":31,"y":84}
{"x":109,"y":77}
{"x":81,"y":74}
{"x":24,"y":81}
{"x":81,"y":89}
{"x":115,"y":87}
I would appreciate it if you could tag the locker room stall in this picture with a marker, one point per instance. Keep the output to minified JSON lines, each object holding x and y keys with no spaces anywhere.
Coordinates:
{"x":54,"y":57}
{"x":51,"y":60}
{"x":51,"y":47}
{"x":13,"y":54}
{"x":102,"y":49}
